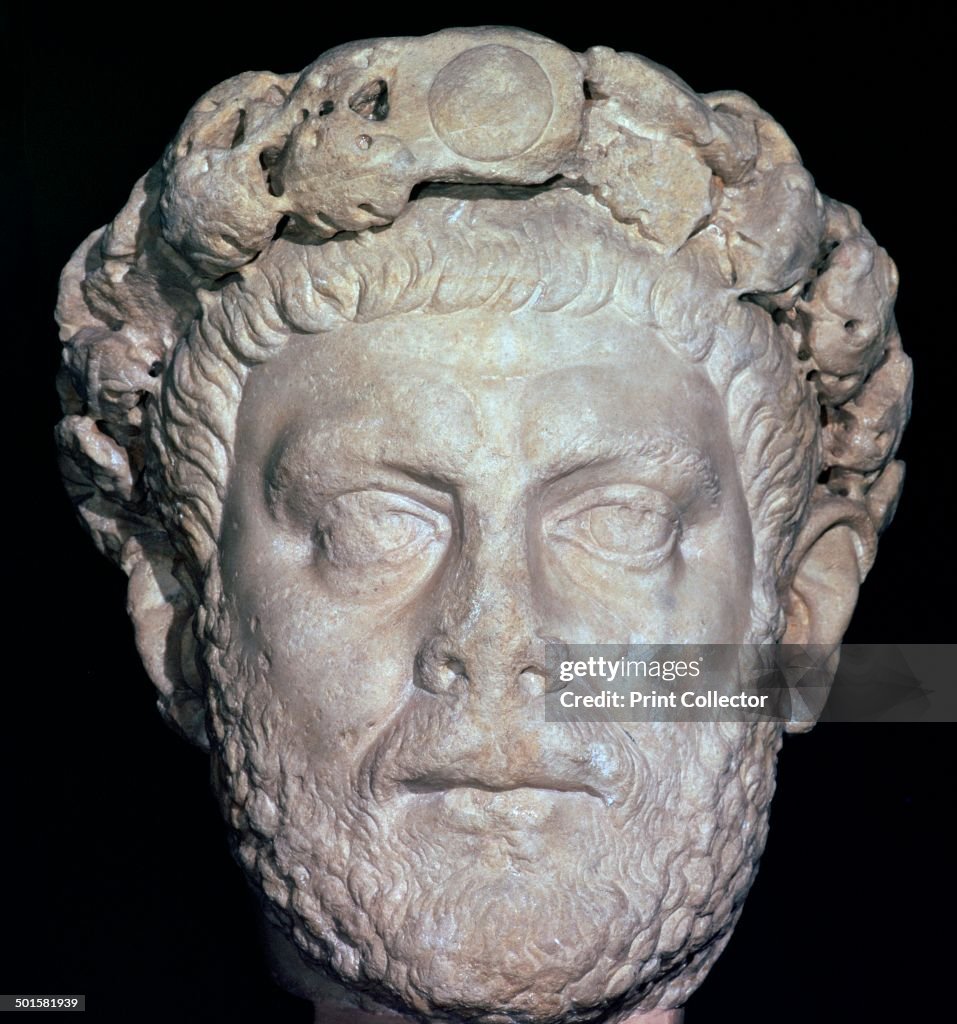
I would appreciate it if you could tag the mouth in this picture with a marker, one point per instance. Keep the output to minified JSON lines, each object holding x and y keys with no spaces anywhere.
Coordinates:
{"x":486,"y":808}
{"x":436,"y":782}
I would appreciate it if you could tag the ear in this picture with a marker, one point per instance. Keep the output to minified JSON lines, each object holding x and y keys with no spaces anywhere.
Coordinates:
{"x":833,"y":554}
{"x":162,"y":613}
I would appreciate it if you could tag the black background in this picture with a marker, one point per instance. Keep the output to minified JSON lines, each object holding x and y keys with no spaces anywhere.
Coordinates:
{"x":117,"y":880}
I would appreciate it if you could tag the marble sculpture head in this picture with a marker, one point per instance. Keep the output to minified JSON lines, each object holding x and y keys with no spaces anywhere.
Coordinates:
{"x":393,"y":372}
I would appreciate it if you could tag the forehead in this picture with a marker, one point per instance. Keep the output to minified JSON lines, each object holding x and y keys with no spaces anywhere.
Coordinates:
{"x":528,"y":383}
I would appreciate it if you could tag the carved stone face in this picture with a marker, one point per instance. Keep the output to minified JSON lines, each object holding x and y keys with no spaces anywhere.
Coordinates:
{"x":487,"y":479}
{"x":418,"y":504}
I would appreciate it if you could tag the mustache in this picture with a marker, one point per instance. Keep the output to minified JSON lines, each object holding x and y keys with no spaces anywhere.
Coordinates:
{"x":428,"y":747}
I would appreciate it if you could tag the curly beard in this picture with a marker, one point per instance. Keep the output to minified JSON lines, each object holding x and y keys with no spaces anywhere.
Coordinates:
{"x":617,"y":887}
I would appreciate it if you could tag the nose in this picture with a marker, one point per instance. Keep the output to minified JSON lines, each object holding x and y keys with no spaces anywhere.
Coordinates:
{"x":487,"y":642}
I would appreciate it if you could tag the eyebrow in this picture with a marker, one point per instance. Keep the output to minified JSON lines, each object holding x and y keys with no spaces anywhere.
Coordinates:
{"x":305,"y":452}
{"x":311,"y":448}
{"x":667,"y":452}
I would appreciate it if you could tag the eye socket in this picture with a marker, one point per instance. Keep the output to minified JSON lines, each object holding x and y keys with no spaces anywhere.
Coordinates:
{"x":628,"y":525}
{"x":363,"y":529}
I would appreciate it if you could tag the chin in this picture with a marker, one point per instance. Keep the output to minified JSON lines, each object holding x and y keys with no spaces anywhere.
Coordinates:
{"x":591,"y":908}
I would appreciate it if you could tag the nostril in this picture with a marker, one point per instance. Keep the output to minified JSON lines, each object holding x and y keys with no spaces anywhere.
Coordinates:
{"x":453,"y":669}
{"x":439,"y":669}
{"x":533,"y":681}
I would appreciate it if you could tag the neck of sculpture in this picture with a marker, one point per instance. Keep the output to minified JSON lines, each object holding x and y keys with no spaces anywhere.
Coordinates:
{"x":341,"y":1012}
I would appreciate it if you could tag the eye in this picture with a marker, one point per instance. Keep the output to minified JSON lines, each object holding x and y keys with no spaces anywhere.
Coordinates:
{"x":366,"y":529}
{"x":628,"y":525}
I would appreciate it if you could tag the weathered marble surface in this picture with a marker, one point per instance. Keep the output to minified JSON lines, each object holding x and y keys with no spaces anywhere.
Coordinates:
{"x":626,"y":375}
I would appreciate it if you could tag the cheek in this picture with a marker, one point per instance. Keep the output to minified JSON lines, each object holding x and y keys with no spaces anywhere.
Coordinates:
{"x":337,"y":676}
